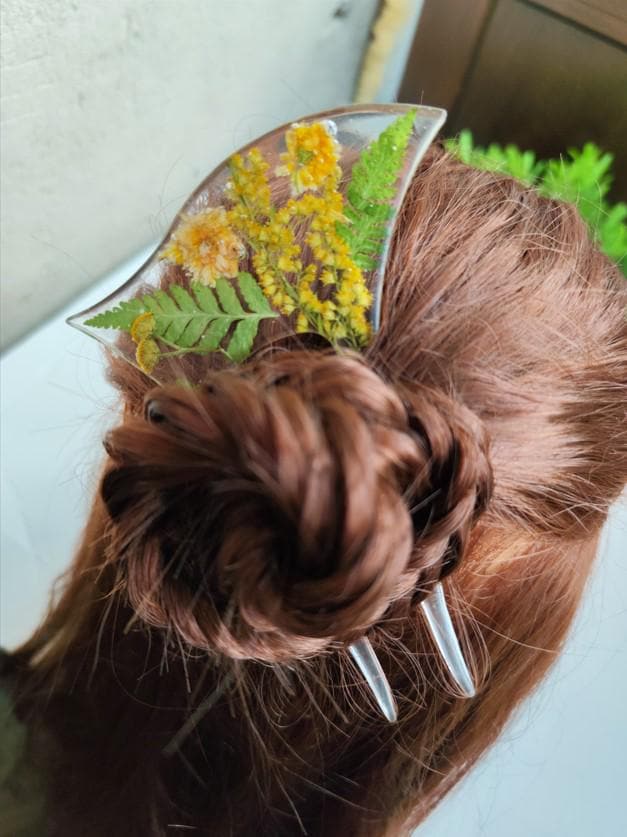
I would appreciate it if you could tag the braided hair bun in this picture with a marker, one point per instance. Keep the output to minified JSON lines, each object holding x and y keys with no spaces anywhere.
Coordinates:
{"x":286,"y":504}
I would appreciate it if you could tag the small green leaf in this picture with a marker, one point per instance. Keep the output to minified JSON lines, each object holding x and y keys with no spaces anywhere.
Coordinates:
{"x":193,"y":331}
{"x":465,"y":146}
{"x":152,"y":305}
{"x":228,"y":298}
{"x":213,"y":336}
{"x":206,"y":300}
{"x":252,"y":294}
{"x":241,"y":342}
{"x":183,"y":299}
{"x":167,"y":305}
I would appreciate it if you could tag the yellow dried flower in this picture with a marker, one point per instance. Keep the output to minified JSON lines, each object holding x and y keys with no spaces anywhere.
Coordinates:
{"x":142,"y":326}
{"x":362,"y":296}
{"x":206,"y":246}
{"x":147,"y":354}
{"x":249,"y":183}
{"x":329,"y":295}
{"x":328,"y":310}
{"x":311,"y":159}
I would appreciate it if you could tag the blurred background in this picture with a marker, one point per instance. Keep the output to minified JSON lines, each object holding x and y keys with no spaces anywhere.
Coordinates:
{"x":113,"y":111}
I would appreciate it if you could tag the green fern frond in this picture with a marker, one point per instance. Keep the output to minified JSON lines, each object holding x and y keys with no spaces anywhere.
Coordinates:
{"x":371,"y":189}
{"x":582,"y":177}
{"x":121,"y":317}
{"x":201,"y":320}
{"x":510,"y":160}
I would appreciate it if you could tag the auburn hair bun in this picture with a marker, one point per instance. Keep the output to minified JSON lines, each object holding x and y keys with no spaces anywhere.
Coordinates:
{"x":286,"y":504}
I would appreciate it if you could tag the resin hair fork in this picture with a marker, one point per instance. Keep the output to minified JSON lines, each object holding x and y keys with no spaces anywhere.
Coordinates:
{"x":239,"y":256}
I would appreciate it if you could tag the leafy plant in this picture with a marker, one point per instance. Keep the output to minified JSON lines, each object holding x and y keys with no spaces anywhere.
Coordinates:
{"x":371,"y":188}
{"x":193,"y":322}
{"x":582,"y":177}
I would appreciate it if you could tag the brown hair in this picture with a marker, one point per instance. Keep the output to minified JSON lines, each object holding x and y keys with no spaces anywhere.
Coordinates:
{"x":194,"y":673}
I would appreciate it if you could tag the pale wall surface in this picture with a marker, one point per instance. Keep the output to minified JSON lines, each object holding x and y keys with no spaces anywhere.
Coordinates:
{"x":113,"y":111}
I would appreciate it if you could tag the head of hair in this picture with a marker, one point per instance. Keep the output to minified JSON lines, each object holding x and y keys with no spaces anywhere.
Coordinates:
{"x":247,"y":529}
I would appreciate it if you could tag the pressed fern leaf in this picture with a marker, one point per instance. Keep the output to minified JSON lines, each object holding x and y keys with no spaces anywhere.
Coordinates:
{"x":198,"y":321}
{"x":121,"y":317}
{"x":371,"y":190}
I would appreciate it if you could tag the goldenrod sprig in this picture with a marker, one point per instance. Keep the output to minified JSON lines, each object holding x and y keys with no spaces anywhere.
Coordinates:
{"x":329,"y":295}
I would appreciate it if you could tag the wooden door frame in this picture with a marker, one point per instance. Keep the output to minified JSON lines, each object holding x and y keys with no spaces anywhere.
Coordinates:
{"x":463,"y":23}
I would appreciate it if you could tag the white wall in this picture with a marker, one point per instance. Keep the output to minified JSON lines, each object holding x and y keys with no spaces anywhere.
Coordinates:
{"x":113,"y":110}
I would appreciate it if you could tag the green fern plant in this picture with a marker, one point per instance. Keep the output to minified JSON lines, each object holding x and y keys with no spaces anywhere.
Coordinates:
{"x":197,"y":322}
{"x":582,"y":177}
{"x":371,"y":189}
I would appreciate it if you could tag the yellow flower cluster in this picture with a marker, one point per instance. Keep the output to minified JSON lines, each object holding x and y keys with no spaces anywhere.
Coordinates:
{"x":329,"y":295}
{"x":341,"y":314}
{"x":248,"y":188}
{"x":275,"y":252}
{"x":270,"y":263}
{"x":322,"y":313}
{"x":206,"y":246}
{"x":311,"y":159}
{"x":351,"y":296}
{"x":147,"y":353}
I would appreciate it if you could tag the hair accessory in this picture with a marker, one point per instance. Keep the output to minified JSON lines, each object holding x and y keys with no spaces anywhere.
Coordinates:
{"x":307,"y":250}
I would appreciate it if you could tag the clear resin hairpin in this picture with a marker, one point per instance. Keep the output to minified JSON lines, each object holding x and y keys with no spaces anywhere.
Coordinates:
{"x":294,"y":228}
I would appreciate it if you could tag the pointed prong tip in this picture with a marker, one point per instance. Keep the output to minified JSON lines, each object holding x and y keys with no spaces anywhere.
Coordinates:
{"x":367,"y":662}
{"x":443,"y":634}
{"x":468,"y":689}
{"x":390,"y":713}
